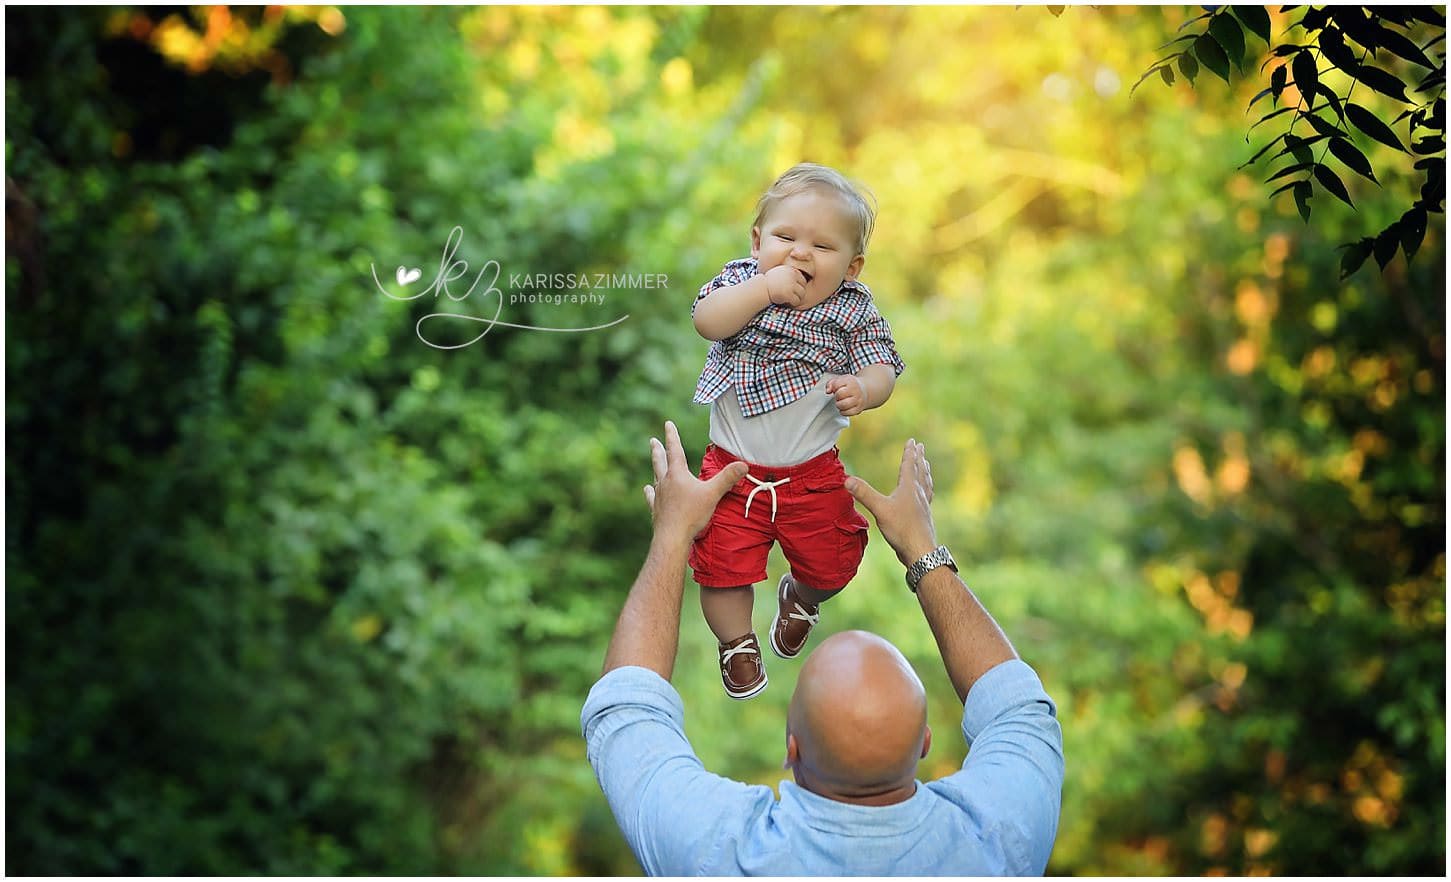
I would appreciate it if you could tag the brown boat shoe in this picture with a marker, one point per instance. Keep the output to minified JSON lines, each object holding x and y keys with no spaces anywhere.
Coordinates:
{"x":742,"y":670}
{"x":794,"y":620}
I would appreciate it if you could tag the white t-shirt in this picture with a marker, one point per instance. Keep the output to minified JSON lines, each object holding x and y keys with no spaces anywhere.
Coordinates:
{"x":786,"y":436}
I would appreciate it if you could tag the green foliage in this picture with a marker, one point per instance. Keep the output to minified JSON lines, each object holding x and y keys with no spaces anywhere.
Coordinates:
{"x":1325,"y":30}
{"x":290,"y":591}
{"x":275,"y":563}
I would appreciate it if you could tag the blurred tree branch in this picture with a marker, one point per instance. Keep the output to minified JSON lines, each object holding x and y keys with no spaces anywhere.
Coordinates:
{"x":1340,"y":40}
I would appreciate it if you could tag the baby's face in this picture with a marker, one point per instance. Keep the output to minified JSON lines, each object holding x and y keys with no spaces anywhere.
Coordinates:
{"x":812,"y":232}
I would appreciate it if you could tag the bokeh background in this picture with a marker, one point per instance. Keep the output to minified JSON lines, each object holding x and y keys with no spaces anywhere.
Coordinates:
{"x":289,"y":591}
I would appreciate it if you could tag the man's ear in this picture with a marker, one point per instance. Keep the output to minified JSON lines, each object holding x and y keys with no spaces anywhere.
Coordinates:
{"x":756,"y":243}
{"x":854,"y":268}
{"x":793,"y":753}
{"x":926,"y":742}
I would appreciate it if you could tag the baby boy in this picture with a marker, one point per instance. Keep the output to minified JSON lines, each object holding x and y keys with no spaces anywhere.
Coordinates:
{"x":798,"y":348}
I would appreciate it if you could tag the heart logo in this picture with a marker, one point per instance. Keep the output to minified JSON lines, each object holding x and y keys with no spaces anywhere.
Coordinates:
{"x":408,"y":276}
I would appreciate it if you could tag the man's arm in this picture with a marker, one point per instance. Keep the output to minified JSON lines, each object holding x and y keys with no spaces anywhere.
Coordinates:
{"x":969,"y":639}
{"x":647,"y":633}
{"x":672,"y":812}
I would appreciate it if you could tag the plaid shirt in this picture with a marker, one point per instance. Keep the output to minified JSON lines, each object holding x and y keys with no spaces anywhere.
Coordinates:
{"x":781,"y":352}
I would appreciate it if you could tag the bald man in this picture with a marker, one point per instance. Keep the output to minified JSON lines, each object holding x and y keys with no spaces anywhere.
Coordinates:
{"x":855,"y":731}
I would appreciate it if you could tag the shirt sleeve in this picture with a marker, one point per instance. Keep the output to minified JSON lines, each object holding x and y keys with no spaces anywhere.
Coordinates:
{"x":672,"y":812}
{"x":733,"y":273}
{"x":1011,"y":783}
{"x":869,"y":341}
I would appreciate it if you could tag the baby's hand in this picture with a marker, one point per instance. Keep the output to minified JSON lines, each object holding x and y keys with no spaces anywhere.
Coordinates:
{"x":785,"y":285}
{"x":847,"y":390}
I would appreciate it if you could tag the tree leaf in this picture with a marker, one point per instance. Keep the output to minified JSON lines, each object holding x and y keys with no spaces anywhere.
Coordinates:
{"x":1331,"y":181}
{"x":1283,"y":187}
{"x":1148,"y":73}
{"x":1329,"y":130}
{"x":1413,"y":230}
{"x":1227,"y":34}
{"x":1287,"y":49}
{"x":1167,"y":74}
{"x":1278,"y":78}
{"x":1188,"y":67}
{"x":1299,"y":147}
{"x":1212,"y":56}
{"x":1261,"y":151}
{"x":1437,"y":78}
{"x":1370,"y":124}
{"x":1354,"y":160}
{"x":1256,"y":19}
{"x":1302,"y":199}
{"x":1332,"y":46}
{"x":1333,"y":100}
{"x":1302,"y":66}
{"x":1433,"y":191}
{"x":1428,"y":14}
{"x":1354,"y":256}
{"x":1387,"y":243}
{"x":1289,"y":170}
{"x":1383,"y":82}
{"x":1176,"y":40}
{"x":1271,"y":115}
{"x":1401,"y":45}
{"x":1433,"y":144}
{"x":1353,"y":21}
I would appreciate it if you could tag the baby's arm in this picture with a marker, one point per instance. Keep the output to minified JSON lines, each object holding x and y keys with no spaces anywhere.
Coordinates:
{"x":867,"y":388}
{"x":873,"y":354}
{"x":728,"y":309}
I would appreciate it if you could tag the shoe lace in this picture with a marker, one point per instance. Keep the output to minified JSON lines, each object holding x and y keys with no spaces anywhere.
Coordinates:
{"x":747,"y":646}
{"x":802,"y":615}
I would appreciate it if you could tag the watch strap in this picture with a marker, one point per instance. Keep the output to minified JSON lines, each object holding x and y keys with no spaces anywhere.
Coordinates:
{"x":937,"y":557}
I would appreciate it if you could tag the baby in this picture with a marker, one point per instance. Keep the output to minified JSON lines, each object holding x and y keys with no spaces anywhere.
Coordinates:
{"x":799,"y":347}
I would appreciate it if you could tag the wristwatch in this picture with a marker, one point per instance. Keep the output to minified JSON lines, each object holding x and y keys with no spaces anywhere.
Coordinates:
{"x":930,"y":561}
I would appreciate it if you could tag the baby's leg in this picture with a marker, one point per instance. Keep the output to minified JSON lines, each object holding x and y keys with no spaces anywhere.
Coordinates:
{"x":728,"y":611}
{"x":811,"y":595}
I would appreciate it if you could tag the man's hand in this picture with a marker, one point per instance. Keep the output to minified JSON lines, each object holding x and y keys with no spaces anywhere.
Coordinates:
{"x":851,"y":398}
{"x":786,"y":285}
{"x":904,"y":517}
{"x":680,"y":503}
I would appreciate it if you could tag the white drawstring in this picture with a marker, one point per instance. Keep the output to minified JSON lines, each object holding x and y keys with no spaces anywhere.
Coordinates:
{"x":764,"y":485}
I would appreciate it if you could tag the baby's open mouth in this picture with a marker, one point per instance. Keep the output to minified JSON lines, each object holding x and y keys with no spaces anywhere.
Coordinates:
{"x":805,"y":274}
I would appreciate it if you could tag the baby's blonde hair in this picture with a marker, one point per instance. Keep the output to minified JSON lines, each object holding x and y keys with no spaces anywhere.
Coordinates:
{"x":807,"y":176}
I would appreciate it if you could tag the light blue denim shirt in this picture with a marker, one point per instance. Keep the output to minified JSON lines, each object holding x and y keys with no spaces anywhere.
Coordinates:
{"x":996,"y":816}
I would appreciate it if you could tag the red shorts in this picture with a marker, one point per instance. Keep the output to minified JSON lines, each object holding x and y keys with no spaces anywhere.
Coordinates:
{"x":811,"y":514}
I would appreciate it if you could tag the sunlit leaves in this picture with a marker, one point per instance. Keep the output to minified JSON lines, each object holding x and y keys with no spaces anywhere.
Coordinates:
{"x":1327,"y":32}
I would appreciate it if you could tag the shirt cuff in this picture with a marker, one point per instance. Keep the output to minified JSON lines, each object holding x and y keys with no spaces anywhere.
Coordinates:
{"x":630,"y":686}
{"x":1005,"y":687}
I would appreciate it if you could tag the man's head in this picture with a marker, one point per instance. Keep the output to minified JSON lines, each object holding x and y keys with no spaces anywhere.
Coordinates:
{"x":858,"y":721}
{"x":815,"y":220}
